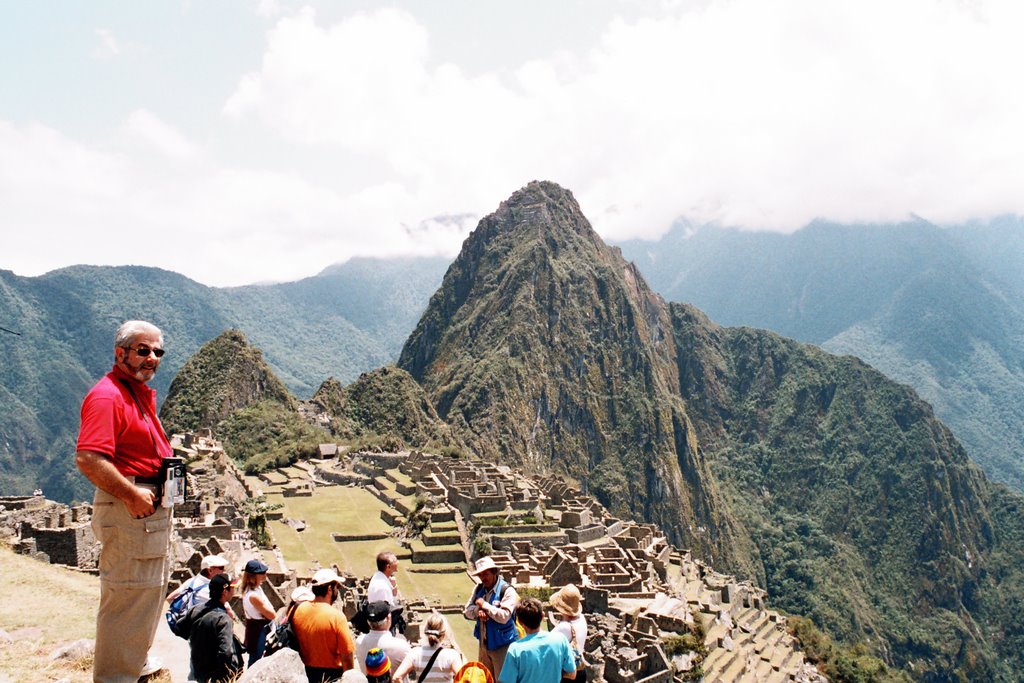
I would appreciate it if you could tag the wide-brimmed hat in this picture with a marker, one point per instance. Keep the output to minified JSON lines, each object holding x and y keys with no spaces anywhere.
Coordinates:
{"x":213,"y":561}
{"x":483,"y":564}
{"x":254,"y":566}
{"x":325,"y":576}
{"x":566,"y":601}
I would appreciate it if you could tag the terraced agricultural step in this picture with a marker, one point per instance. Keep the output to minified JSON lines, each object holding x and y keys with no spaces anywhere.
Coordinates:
{"x":421,"y":553}
{"x":716,"y":659}
{"x":734,"y":672}
{"x":438,"y":568}
{"x":763,"y":670}
{"x":432,"y":538}
{"x":344,"y":538}
{"x":441,"y":515}
{"x":764,"y":632}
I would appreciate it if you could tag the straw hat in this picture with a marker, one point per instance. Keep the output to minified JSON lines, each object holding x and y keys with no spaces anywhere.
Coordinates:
{"x":567,"y":601}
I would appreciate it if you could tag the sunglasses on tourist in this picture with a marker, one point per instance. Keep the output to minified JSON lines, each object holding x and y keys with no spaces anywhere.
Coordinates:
{"x":144,"y":352}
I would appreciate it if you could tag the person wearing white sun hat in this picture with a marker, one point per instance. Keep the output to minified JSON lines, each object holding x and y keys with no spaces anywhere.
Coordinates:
{"x":493,"y":607}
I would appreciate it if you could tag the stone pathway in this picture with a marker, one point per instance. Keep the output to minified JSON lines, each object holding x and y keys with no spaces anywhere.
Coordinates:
{"x":173,"y":651}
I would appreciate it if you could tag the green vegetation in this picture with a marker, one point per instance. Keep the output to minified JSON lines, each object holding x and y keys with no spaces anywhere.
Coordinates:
{"x":542,"y":593}
{"x":383,"y":411}
{"x":683,"y":643}
{"x":347,"y":320}
{"x":813,"y":475}
{"x":541,"y":352}
{"x":483,"y":521}
{"x":482,"y":546}
{"x":267,"y":434}
{"x":225,"y":375}
{"x":255,"y":511}
{"x":936,"y":308}
{"x":842,"y":664}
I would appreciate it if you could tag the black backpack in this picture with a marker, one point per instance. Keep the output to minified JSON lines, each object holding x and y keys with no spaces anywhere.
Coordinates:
{"x":282,"y":635}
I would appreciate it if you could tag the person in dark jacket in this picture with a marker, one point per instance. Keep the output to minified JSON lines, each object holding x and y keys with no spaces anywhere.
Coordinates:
{"x":216,"y":652}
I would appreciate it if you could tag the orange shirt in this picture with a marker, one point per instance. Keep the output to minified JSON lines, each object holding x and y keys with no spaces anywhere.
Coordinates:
{"x":323,"y":633}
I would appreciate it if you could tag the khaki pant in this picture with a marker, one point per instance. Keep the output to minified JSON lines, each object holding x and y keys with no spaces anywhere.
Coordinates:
{"x":493,"y":660}
{"x":134,"y":568}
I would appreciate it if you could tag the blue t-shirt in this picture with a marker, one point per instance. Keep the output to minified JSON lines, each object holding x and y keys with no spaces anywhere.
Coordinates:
{"x":538,"y":658}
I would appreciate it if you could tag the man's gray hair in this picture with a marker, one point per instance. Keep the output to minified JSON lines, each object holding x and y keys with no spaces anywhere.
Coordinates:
{"x":130,"y":329}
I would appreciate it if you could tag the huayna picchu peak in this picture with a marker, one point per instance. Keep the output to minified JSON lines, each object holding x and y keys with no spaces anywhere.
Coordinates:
{"x":543,"y":348}
{"x":813,"y":474}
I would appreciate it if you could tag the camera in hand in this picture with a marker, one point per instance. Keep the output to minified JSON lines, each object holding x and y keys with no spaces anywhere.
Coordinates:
{"x":172,"y":473}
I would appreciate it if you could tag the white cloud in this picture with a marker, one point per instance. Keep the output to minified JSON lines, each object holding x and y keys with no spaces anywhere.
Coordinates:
{"x":763,"y":114}
{"x":269,"y":8}
{"x":353,"y":138}
{"x":67,"y":202}
{"x":108,"y":47}
{"x":147,"y":128}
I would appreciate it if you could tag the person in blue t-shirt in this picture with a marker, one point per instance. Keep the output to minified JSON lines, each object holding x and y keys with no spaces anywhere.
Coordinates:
{"x":537,"y":657}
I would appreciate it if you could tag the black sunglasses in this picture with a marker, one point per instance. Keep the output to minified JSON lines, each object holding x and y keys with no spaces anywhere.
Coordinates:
{"x":143,"y":351}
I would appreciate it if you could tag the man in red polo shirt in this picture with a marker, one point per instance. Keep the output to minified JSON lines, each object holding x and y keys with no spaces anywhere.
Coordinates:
{"x":120,"y":449}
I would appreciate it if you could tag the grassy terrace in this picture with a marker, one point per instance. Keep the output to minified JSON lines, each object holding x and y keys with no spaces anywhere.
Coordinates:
{"x":275,"y":478}
{"x":400,"y":477}
{"x":349,"y":510}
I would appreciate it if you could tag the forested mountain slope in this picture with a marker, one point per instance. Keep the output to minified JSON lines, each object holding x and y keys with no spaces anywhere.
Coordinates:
{"x":814,"y":474}
{"x":940,"y":309}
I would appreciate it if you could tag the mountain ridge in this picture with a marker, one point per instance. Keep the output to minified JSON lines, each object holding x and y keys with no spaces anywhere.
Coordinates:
{"x":936,"y":308}
{"x":814,"y":472}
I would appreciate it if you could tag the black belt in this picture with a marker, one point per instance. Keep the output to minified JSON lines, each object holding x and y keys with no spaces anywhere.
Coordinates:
{"x":152,"y":481}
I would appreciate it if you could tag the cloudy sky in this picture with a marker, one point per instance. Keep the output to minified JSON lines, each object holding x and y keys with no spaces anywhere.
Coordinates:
{"x":237,"y":142}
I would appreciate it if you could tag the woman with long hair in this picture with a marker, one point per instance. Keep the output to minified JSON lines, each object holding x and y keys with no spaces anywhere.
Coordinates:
{"x":258,"y":612}
{"x":436,"y":654}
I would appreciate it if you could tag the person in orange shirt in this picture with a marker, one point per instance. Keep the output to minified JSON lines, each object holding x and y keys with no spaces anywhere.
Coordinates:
{"x":325,"y":639}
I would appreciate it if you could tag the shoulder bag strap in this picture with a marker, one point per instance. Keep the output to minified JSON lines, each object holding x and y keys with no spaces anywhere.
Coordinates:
{"x":145,"y":415}
{"x":430,"y":664}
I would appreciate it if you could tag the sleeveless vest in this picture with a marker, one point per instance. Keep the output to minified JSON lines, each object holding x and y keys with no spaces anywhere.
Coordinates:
{"x":498,"y":635}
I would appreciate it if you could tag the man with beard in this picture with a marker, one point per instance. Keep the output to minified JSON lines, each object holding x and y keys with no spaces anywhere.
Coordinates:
{"x":325,"y":640}
{"x":121,"y":447}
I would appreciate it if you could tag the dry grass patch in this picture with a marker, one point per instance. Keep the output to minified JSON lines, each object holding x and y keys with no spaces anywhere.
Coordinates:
{"x":42,"y":607}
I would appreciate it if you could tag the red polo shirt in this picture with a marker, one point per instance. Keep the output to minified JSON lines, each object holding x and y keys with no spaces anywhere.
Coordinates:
{"x":114,"y":425}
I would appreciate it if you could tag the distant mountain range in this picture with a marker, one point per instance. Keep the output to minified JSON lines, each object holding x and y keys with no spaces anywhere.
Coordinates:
{"x":344,"y":321}
{"x":940,"y":309}
{"x":937,"y":308}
